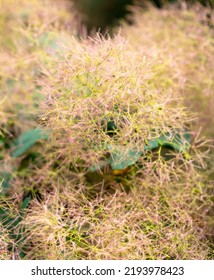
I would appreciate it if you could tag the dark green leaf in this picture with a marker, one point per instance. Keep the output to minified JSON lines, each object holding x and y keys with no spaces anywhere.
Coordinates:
{"x":27,"y":140}
{"x":25,"y":202}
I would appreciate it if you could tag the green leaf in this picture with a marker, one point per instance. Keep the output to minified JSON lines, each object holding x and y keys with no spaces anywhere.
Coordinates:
{"x":151,"y":145}
{"x":121,"y":158}
{"x":4,"y":179}
{"x":180,"y":142}
{"x":26,"y":140}
{"x":1,"y":142}
{"x":25,"y":203}
{"x":111,"y":128}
